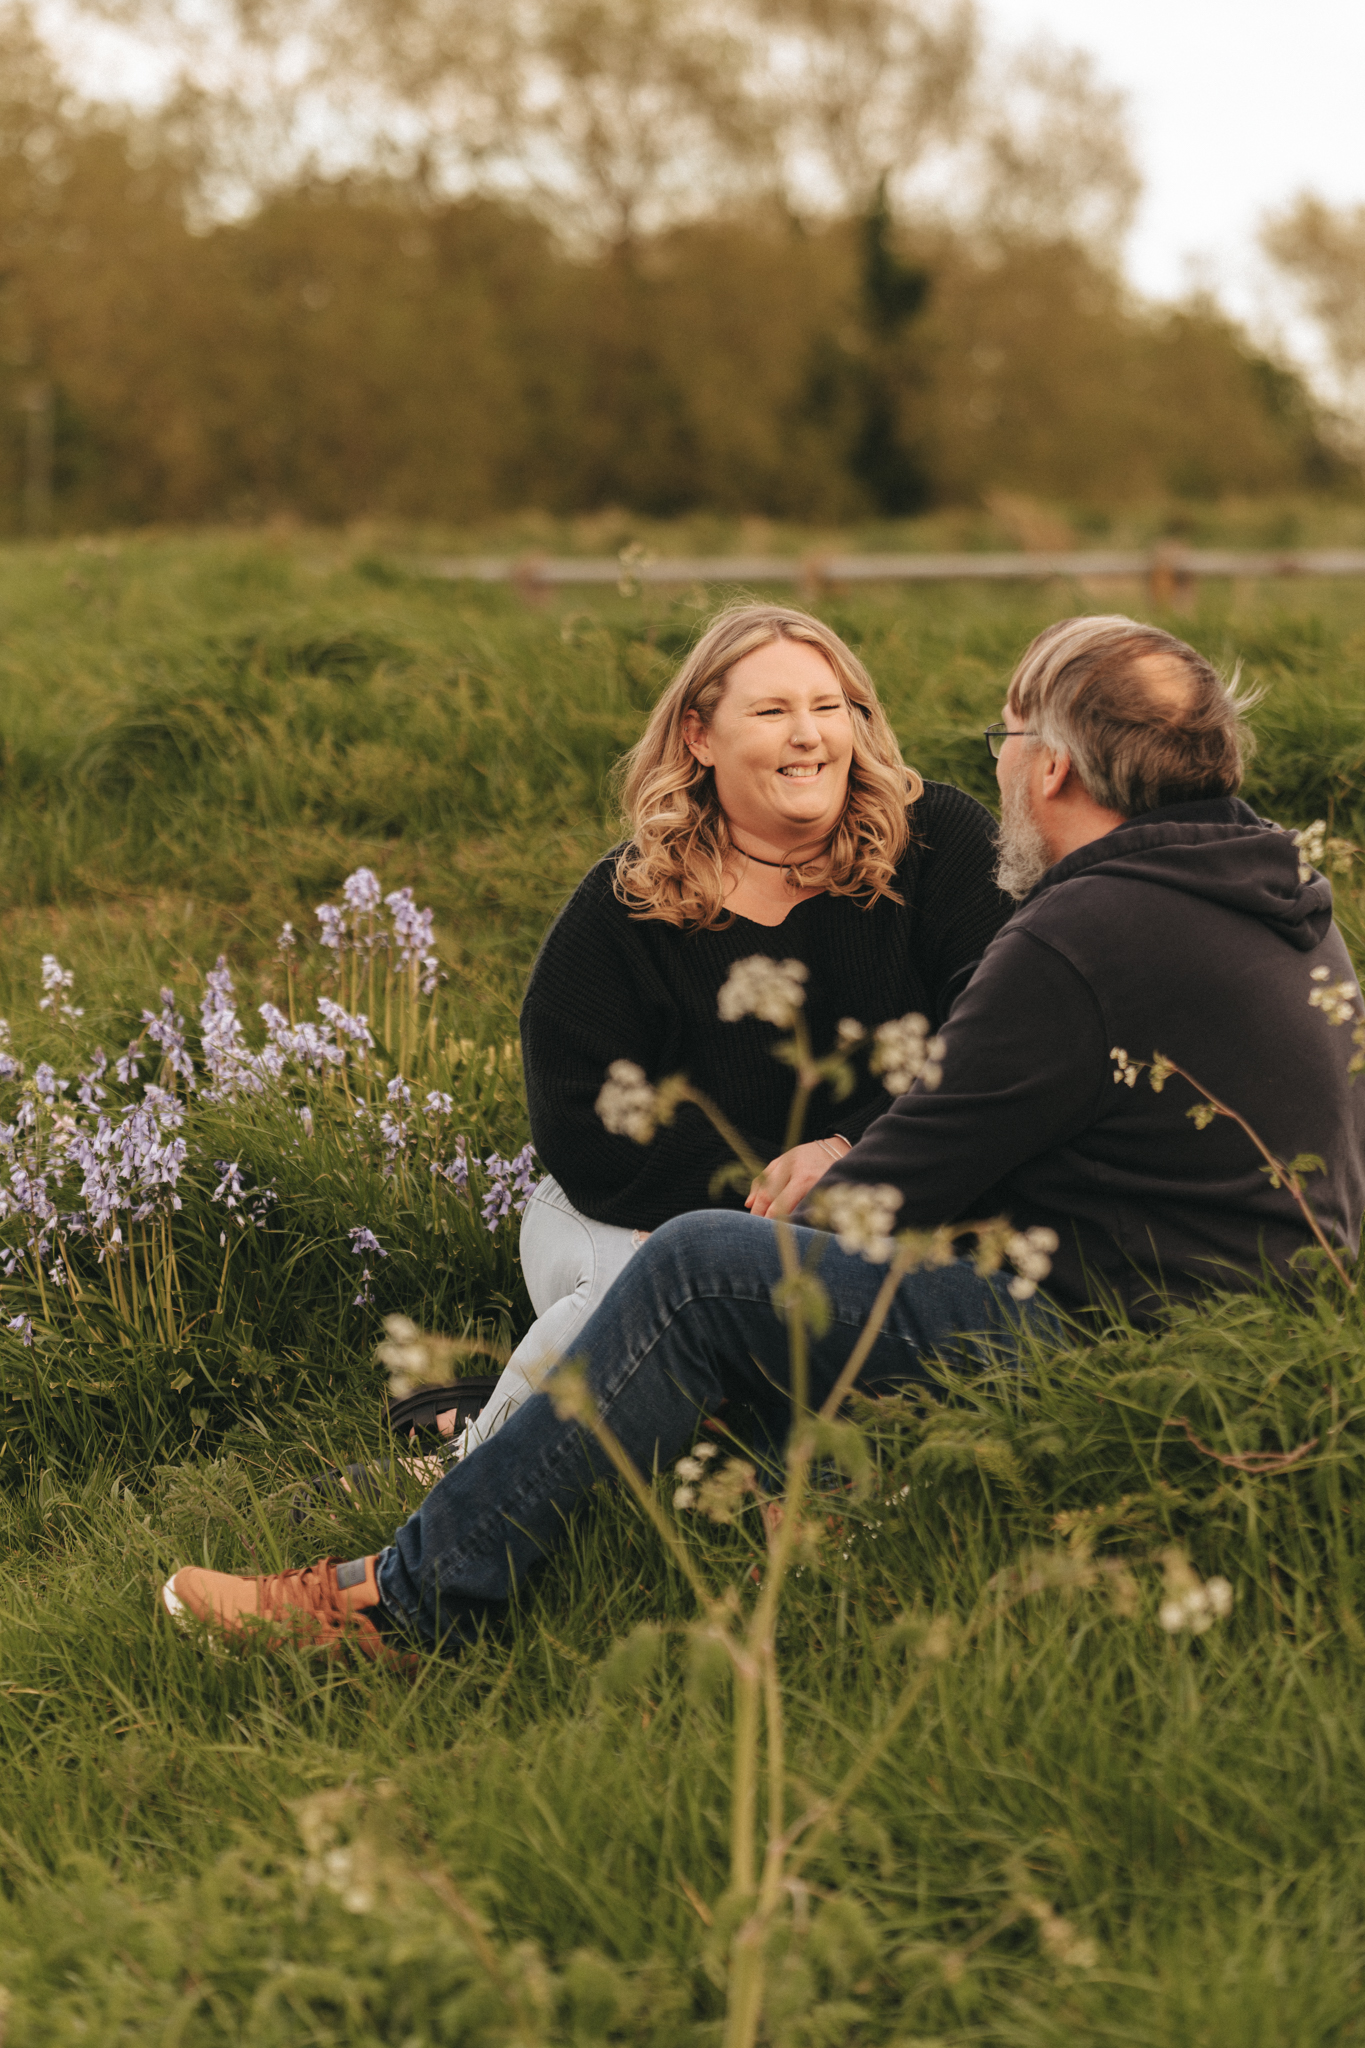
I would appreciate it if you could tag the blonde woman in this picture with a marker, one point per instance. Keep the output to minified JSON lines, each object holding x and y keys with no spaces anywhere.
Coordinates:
{"x":769,"y":811}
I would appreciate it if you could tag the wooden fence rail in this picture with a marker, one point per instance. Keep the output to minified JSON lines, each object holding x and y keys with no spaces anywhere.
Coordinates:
{"x":1168,"y":571}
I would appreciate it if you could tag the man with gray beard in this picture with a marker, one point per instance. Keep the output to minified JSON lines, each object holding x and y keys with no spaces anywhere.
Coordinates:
{"x":1158,"y":916}
{"x":1023,"y":857}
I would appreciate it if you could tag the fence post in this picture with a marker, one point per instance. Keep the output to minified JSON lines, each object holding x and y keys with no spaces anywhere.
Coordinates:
{"x":531,"y":583}
{"x":813,"y":579}
{"x":1170,"y":579}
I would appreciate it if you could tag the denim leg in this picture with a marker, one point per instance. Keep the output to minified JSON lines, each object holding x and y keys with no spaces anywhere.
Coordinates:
{"x":689,"y":1324}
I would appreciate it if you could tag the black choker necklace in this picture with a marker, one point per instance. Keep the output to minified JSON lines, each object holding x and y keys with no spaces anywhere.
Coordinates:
{"x":765,"y":863}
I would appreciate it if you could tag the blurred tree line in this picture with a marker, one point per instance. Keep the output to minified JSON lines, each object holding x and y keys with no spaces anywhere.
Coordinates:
{"x":438,"y":258}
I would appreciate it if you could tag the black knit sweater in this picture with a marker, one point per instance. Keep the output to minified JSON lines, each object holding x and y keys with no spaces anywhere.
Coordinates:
{"x":607,"y":986}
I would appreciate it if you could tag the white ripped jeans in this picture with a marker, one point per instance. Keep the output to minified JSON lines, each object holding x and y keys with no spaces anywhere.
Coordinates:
{"x":569,"y":1263}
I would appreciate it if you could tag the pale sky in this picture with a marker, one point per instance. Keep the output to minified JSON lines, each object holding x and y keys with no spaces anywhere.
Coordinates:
{"x":1236,"y":105}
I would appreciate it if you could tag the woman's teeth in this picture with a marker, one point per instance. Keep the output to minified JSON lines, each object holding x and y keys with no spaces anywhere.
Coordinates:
{"x":802,"y":774}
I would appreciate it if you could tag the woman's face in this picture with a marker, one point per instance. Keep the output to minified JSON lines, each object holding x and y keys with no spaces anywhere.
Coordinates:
{"x":780,"y":743}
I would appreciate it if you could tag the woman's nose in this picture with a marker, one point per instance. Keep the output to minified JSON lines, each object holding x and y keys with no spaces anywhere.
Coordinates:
{"x":804,"y":730}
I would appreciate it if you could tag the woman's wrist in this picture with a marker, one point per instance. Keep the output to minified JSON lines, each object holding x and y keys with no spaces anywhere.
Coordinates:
{"x":836,"y":1146}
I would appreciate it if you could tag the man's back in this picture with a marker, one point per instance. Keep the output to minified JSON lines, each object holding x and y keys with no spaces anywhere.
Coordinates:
{"x":1185,"y":932}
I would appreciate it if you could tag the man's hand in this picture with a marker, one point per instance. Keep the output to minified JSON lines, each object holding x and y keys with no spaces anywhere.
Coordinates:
{"x":789,"y":1178}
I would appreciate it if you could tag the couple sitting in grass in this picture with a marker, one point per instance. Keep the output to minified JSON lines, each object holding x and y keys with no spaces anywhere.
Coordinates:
{"x":784,"y":864}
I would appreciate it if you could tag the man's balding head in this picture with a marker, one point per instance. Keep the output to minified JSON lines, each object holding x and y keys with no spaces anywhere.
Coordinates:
{"x":1145,"y":719}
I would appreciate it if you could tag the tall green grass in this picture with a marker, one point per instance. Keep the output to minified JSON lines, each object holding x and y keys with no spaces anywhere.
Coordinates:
{"x":201,"y":739}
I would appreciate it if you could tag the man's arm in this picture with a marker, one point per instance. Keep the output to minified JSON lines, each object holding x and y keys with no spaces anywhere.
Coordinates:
{"x":1025,"y":1068}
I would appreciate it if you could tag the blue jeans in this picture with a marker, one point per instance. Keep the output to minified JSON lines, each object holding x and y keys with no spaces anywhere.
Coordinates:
{"x":689,"y":1324}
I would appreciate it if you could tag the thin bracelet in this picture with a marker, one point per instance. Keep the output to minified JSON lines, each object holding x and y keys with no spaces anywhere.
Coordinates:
{"x":826,"y":1145}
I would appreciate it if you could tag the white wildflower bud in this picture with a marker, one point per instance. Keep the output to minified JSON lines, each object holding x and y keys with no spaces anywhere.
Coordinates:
{"x":1075,"y":1951}
{"x":627,"y":1105}
{"x":722,"y":1497}
{"x":849,"y":1032}
{"x":684,"y":1497}
{"x":1124,"y":1069}
{"x":1030,"y":1253}
{"x":936,"y":1644}
{"x":905,"y":1053}
{"x":759,"y":987}
{"x":689,"y":1468}
{"x":705,"y":1451}
{"x":862,"y":1218}
{"x":1312,"y":845}
{"x":1336,"y":999}
{"x":1192,"y":1604}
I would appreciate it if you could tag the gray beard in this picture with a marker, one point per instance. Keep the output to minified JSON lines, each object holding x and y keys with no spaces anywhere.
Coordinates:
{"x":1023,"y":857}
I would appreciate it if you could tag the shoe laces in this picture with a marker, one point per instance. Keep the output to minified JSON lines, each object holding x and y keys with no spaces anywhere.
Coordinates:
{"x":313,"y":1590}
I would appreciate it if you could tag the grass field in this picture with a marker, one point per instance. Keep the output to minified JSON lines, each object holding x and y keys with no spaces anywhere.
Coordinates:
{"x":1088,"y":1829}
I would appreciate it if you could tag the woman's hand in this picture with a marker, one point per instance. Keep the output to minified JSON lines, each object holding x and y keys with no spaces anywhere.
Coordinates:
{"x":789,"y":1178}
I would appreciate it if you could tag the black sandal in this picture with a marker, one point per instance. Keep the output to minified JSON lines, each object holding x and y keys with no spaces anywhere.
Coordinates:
{"x":418,"y":1412}
{"x":415,"y":1415}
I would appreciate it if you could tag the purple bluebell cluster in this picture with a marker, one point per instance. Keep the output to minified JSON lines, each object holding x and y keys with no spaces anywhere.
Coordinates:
{"x":354,"y":926}
{"x":76,"y":1165}
{"x":251,"y":1204}
{"x":128,"y":1164}
{"x":510,"y":1182}
{"x":58,"y":982}
{"x":364,"y":1243}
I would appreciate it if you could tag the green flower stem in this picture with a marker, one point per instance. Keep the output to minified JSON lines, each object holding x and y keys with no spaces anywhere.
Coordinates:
{"x":1290,"y":1180}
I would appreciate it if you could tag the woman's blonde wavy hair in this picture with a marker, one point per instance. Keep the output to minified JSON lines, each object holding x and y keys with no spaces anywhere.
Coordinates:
{"x":673,"y":866}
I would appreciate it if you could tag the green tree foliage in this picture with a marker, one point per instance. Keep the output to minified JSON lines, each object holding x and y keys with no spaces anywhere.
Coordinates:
{"x":651,"y":317}
{"x":1320,"y":249}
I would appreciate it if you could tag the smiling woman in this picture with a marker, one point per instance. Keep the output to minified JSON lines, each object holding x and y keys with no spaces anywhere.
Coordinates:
{"x":769,"y":812}
{"x":768,"y":751}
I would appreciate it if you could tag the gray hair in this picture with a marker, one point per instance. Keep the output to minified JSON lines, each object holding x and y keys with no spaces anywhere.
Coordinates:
{"x":1145,"y":719}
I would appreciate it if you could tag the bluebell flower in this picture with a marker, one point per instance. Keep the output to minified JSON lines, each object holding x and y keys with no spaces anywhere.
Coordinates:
{"x":233,"y":1068}
{"x":89,"y":1092}
{"x":356,"y":1028}
{"x":412,"y":928}
{"x":57,"y":985}
{"x":455,"y":1170}
{"x":168,"y":1031}
{"x":510,"y":1184}
{"x":361,"y":892}
{"x":129,"y":1067}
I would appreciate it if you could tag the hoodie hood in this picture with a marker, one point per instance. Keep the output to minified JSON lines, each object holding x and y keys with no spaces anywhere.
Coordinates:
{"x":1216,"y":850}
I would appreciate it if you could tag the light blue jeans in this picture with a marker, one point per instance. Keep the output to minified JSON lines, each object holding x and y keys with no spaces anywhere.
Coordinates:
{"x":569,"y":1263}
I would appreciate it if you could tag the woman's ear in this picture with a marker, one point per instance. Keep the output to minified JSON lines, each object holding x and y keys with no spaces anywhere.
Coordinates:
{"x":697,"y":739}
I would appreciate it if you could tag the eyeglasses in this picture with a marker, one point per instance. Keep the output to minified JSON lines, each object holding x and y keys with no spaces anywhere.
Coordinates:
{"x":996,"y":735}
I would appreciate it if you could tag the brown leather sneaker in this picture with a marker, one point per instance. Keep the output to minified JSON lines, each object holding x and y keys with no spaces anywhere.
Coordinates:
{"x":321,"y":1607}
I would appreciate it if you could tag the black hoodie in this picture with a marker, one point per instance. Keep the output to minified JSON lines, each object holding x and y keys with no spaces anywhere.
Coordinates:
{"x":1187,"y":932}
